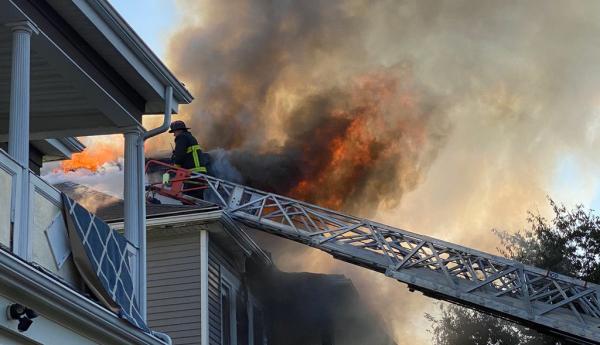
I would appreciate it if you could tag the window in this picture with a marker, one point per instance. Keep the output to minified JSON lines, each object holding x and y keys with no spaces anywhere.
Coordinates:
{"x":230,"y":286}
{"x":256,"y":323}
{"x":242,"y":319}
{"x":226,"y":314}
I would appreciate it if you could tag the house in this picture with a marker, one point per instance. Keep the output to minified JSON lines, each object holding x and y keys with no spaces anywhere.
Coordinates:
{"x":209,"y":282}
{"x":71,"y":69}
{"x":48,"y":150}
{"x":75,"y":68}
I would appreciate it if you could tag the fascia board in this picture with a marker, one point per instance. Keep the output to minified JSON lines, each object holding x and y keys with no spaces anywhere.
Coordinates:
{"x":60,"y":148}
{"x":72,"y":144}
{"x":175,"y":219}
{"x":243,"y":239}
{"x":55,"y":300}
{"x":133,"y":48}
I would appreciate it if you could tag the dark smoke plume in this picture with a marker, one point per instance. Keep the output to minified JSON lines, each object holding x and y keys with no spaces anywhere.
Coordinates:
{"x":271,"y":92}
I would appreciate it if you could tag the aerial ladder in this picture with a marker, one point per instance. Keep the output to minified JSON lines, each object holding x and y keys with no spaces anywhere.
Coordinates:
{"x":538,"y":298}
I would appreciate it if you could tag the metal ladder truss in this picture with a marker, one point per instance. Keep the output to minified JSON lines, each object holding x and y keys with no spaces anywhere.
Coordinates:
{"x":538,"y":298}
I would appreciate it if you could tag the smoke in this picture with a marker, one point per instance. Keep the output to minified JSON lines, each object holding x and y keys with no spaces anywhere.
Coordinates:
{"x":107,"y":178}
{"x":221,"y":166}
{"x":99,"y":166}
{"x":467,"y":109}
{"x":289,"y":93}
{"x":90,"y":198}
{"x":447,"y":117}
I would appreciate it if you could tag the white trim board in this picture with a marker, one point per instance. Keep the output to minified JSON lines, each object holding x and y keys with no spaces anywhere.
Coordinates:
{"x":176,"y":219}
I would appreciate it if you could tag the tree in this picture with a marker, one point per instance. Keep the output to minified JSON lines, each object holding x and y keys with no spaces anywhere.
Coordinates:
{"x":569,"y":243}
{"x":458,"y":325}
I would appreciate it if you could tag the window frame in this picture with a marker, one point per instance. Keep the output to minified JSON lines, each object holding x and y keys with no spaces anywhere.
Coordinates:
{"x":229,"y":281}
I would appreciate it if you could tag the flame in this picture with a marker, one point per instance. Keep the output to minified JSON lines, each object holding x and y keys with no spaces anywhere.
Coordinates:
{"x":373,"y":134}
{"x":99,"y":152}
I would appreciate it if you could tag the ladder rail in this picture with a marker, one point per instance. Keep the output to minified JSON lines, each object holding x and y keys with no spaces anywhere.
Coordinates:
{"x":526,"y":294}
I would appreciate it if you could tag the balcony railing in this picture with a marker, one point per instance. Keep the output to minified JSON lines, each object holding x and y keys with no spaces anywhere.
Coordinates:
{"x":10,"y":178}
{"x":47,"y":242}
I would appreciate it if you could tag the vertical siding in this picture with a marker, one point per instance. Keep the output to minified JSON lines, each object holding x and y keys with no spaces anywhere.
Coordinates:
{"x":174,"y":287}
{"x":214,"y":296}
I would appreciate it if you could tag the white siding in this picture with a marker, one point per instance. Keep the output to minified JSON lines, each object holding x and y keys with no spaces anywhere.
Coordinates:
{"x":46,"y":205}
{"x":174,"y":286}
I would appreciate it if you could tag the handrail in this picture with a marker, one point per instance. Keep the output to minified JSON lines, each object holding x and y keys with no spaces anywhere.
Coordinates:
{"x":538,"y":298}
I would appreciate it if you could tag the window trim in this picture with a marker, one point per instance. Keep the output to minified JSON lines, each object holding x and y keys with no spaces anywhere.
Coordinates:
{"x":233,"y":284}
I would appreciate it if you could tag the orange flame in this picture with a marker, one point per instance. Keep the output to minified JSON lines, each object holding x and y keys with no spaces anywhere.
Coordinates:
{"x":371,"y":137}
{"x":93,"y":157}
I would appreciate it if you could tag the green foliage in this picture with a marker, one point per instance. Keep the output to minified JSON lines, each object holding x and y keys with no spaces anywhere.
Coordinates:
{"x":569,"y":243}
{"x":458,"y":325}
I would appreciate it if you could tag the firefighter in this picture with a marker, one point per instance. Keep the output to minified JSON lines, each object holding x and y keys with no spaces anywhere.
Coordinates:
{"x":187,"y":153}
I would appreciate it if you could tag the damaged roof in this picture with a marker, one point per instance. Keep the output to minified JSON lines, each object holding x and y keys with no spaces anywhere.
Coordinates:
{"x":110,"y":208}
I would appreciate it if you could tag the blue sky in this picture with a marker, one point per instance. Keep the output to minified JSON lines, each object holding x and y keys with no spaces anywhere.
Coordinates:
{"x":153,"y":20}
{"x":571,"y":179}
{"x":571,"y":184}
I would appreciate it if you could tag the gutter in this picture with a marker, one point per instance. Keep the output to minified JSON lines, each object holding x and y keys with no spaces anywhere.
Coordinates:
{"x":167,"y":116}
{"x":174,"y":219}
{"x":61,"y":304}
{"x":127,"y":34}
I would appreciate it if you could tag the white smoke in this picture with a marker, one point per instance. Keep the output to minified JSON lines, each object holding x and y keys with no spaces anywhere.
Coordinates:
{"x":107,"y":179}
{"x":222,"y":168}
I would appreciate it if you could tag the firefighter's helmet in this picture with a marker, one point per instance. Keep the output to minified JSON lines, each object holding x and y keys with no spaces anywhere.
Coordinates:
{"x":178,"y":125}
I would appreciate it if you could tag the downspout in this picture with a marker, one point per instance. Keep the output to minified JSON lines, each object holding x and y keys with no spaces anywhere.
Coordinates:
{"x":142,"y":187}
{"x":167,"y":119}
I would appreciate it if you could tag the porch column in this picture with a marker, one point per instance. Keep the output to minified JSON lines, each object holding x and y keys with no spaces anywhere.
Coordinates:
{"x":18,"y":131}
{"x":134,"y":210}
{"x":141,"y":191}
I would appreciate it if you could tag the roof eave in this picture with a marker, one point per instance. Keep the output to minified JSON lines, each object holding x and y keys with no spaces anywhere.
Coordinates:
{"x":139,"y":47}
{"x":162,"y":220}
{"x":239,"y":236}
{"x":58,"y":149}
{"x":72,"y":144}
{"x":244,"y":240}
{"x":52,"y":298}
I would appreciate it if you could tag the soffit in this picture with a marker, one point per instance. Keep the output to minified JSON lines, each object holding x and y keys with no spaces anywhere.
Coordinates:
{"x":114,"y":40}
{"x":70,"y":94}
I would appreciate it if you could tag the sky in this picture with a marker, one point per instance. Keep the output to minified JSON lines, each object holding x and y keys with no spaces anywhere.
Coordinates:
{"x":157,"y":20}
{"x":153,"y":20}
{"x":462,"y":191}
